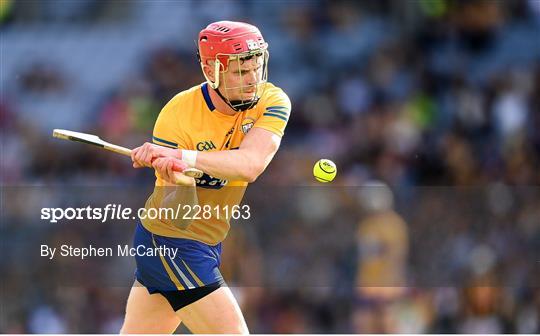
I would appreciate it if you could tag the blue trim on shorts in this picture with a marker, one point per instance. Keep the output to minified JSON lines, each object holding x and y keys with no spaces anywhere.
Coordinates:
{"x":195,"y":264}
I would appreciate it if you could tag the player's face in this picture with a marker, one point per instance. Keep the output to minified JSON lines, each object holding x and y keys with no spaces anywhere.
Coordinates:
{"x":242,"y":78}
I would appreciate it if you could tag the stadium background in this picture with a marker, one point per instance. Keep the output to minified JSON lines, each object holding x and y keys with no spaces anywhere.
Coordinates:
{"x":439,"y":94}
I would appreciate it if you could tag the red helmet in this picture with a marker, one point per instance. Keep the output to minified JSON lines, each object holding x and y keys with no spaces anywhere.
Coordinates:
{"x":224,"y":41}
{"x":223,"y":38}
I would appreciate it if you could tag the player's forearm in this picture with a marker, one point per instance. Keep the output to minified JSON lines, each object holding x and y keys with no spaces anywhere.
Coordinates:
{"x":231,"y":164}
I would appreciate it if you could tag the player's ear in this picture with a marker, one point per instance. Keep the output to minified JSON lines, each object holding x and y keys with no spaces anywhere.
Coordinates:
{"x":208,"y":69}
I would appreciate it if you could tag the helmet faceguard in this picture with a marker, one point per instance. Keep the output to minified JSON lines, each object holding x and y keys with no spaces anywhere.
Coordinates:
{"x":229,"y":45}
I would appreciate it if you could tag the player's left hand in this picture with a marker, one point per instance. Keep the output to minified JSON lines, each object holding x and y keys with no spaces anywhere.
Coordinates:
{"x":144,"y":155}
{"x":166,"y":167}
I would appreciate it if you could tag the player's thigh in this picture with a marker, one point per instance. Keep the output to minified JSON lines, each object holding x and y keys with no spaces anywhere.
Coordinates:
{"x":148,"y":314}
{"x":216,"y":313}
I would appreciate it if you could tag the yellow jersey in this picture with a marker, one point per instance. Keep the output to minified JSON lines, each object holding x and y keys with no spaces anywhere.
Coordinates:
{"x":190,"y":121}
{"x":383,"y":239}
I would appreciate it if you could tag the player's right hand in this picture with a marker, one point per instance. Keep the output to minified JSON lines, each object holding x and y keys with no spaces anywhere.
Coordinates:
{"x":144,"y":155}
{"x":170,"y":169}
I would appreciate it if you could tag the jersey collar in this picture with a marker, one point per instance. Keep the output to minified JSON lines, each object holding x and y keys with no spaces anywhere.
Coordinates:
{"x":206,"y":95}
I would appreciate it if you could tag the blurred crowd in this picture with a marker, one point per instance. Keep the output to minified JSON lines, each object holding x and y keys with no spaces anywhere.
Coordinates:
{"x":436,"y":94}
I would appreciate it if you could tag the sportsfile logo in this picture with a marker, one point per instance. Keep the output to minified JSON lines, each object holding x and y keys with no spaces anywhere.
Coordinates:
{"x":119,"y":212}
{"x":205,"y":145}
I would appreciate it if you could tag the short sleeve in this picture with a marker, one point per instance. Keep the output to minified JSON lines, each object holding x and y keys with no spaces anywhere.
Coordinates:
{"x":276,"y":113}
{"x":167,"y":130}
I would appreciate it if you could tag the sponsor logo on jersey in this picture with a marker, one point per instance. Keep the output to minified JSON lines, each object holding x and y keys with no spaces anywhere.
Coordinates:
{"x":210,"y":182}
{"x":205,"y":145}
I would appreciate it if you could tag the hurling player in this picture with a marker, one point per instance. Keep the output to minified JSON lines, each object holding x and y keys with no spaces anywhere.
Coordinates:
{"x":230,"y":127}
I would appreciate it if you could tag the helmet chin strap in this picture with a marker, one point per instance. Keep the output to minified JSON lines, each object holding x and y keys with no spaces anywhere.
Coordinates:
{"x":239,"y":105}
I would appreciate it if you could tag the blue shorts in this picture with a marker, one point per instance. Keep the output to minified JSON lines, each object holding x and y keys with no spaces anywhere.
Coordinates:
{"x":194,"y":264}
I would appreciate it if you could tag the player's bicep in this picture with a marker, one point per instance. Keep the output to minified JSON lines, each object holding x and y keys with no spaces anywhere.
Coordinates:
{"x":261,"y":144}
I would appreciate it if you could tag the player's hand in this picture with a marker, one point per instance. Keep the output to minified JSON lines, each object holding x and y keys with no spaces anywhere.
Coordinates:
{"x":144,"y":155}
{"x":166,"y":167}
